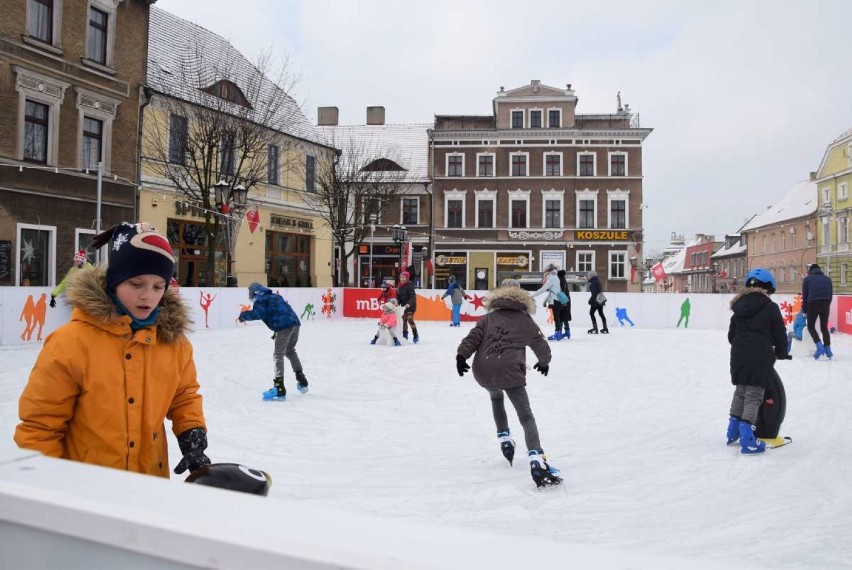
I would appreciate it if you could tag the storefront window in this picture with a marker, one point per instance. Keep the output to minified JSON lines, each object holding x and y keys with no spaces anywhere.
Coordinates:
{"x":288,"y":259}
{"x":510,"y":264}
{"x":189,"y":243}
{"x":450,"y":263}
{"x":34,"y":248}
{"x":385,"y":263}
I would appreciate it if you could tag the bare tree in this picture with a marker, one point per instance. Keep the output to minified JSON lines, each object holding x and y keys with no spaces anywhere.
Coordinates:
{"x":361,"y":180}
{"x":216,"y":117}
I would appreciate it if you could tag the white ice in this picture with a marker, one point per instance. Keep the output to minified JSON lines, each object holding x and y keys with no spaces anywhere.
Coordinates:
{"x":635,"y":420}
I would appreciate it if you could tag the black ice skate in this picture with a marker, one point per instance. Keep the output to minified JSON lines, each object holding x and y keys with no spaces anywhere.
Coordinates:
{"x":542,"y":474}
{"x":301,"y":382}
{"x":507,"y":445}
{"x":592,"y":331}
{"x":604,"y":330}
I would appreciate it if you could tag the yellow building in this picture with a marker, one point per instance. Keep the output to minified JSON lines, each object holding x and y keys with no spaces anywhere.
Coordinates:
{"x":213,"y":120}
{"x":834,"y":235}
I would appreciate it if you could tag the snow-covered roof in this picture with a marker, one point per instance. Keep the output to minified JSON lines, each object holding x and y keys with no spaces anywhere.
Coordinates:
{"x":184,"y":58}
{"x":799,"y":201}
{"x":408,"y":145}
{"x":738,"y":248}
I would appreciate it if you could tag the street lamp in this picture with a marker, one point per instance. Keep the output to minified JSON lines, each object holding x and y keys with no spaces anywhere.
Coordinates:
{"x":373,"y":218}
{"x":399,"y":234}
{"x":231,"y":202}
{"x":715,"y":274}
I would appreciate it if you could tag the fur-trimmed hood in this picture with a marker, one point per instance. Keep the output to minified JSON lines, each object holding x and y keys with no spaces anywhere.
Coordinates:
{"x":513,"y":298}
{"x":749,"y":301}
{"x":87,"y":292}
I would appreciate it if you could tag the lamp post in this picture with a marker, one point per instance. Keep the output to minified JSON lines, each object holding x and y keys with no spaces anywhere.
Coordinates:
{"x":372,"y":229}
{"x":231,"y":203}
{"x":399,"y":234}
{"x":715,"y":274}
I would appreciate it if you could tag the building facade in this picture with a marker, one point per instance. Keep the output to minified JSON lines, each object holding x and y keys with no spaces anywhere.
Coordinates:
{"x":535,"y":183}
{"x":70,"y":76}
{"x":834,"y":235}
{"x":698,"y":266}
{"x":782,"y":238}
{"x":730,"y":262}
{"x":198,"y":84}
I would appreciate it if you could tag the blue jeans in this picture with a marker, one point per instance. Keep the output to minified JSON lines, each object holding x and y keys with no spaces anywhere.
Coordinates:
{"x":456,"y":314}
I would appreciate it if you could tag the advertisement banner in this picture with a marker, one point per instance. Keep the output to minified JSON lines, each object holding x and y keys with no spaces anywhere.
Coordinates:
{"x":844,"y":313}
{"x":361,"y":303}
{"x":659,"y":272}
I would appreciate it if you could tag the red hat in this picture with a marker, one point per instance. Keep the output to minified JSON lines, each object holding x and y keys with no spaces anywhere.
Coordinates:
{"x":80,"y":256}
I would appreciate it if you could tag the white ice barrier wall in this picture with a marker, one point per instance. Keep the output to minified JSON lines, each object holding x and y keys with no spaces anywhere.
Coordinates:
{"x":63,"y":514}
{"x":25,"y":317}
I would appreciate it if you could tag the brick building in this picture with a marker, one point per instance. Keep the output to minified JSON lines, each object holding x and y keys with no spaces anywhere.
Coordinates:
{"x":69,"y":99}
{"x":536,"y":183}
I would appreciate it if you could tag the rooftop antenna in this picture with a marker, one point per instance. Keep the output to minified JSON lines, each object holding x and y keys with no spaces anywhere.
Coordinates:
{"x":618,"y":98}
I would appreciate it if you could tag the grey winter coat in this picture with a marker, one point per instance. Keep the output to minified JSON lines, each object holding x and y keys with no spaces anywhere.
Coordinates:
{"x":500,"y":340}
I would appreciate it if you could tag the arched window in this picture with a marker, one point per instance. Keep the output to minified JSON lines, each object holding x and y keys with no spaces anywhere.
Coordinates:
{"x":228,"y":91}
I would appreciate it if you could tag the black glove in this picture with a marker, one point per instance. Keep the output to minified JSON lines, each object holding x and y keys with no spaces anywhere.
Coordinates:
{"x":192,"y":444}
{"x":52,"y":302}
{"x":543,"y":368}
{"x":461,"y":365}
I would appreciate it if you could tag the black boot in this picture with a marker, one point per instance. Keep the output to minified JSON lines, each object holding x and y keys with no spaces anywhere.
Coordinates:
{"x":604,"y":330}
{"x":301,"y":382}
{"x":592,"y":331}
{"x":507,"y":446}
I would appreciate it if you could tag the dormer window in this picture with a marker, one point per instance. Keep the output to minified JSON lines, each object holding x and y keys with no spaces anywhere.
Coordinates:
{"x":227,"y":90}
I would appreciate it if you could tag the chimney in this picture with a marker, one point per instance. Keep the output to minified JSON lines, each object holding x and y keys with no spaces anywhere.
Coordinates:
{"x":375,"y":115}
{"x":327,"y":116}
{"x":812,"y":176}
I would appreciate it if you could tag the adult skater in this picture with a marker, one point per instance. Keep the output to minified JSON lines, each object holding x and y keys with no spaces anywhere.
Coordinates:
{"x":80,"y":261}
{"x":279,"y":316}
{"x":407,"y":297}
{"x":457,"y":295}
{"x":597,"y":300}
{"x":104,"y":383}
{"x":817,"y":292}
{"x":758,"y":338}
{"x":500,"y":340}
{"x":551,"y":286}
{"x":562,"y":309}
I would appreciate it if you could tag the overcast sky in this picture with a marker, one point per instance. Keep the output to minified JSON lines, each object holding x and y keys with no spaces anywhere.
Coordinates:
{"x":743,"y":96}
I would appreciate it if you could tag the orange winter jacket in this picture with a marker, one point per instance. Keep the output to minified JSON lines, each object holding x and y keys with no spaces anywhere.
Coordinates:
{"x":99,"y":393}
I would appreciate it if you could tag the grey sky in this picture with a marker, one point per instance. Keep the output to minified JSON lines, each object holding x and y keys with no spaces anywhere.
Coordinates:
{"x":744,"y":96}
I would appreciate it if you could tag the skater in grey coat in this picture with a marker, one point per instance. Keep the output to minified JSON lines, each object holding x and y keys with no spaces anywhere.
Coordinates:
{"x":500,"y":340}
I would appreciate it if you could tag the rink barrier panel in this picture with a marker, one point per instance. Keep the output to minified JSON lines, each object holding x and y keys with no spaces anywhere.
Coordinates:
{"x":24,"y":312}
{"x":107,"y":518}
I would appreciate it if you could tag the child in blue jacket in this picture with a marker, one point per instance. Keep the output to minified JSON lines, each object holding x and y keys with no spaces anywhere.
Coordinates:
{"x":276,"y":313}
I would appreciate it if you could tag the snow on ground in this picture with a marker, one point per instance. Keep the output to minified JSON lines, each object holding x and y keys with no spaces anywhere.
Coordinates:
{"x":636,"y":421}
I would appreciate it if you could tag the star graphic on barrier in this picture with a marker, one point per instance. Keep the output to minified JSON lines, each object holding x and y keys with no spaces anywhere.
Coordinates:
{"x":477,"y":301}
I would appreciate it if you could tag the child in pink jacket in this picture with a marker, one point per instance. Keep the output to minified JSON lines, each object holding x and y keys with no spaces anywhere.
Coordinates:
{"x":388,"y":321}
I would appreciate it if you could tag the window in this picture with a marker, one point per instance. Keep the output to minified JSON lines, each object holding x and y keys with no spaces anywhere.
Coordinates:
{"x":841,"y":191}
{"x":617,"y":261}
{"x":485,"y":208}
{"x":485,"y":165}
{"x":228,"y":91}
{"x":553,"y":164}
{"x":586,"y":164}
{"x":618,"y":214}
{"x":618,"y":164}
{"x":411,"y":211}
{"x":36,"y":128}
{"x":454,"y":208}
{"x":553,"y":213}
{"x":535,"y":119}
{"x":96,"y":43}
{"x":764,"y":244}
{"x":554,"y":118}
{"x":519,"y":214}
{"x":455,"y":213}
{"x":372,"y":210}
{"x":227,"y":155}
{"x":273,"y":167}
{"x":586,"y":210}
{"x":517,"y":119}
{"x":455,"y":165}
{"x":40,"y":20}
{"x":844,"y":267}
{"x":843,"y":229}
{"x":93,"y":133}
{"x":310,"y":173}
{"x":36,"y":255}
{"x":83,"y":240}
{"x":485,"y":213}
{"x":519,"y":208}
{"x":519,"y":164}
{"x":288,"y":259}
{"x":774,"y":244}
{"x":178,"y":132}
{"x":826,"y":236}
{"x":585,"y":261}
{"x":783,"y":240}
{"x":826,"y":195}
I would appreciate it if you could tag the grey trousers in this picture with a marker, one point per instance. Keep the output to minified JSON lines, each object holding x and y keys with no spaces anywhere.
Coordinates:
{"x":285,"y":345}
{"x":746,"y":402}
{"x":521,"y":401}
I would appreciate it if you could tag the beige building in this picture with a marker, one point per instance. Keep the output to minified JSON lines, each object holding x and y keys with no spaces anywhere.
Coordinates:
{"x":200,"y":87}
{"x":70,"y":76}
{"x":536,"y":183}
{"x":782,"y":238}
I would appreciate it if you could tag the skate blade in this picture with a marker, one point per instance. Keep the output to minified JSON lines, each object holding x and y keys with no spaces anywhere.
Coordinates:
{"x":552,"y":482}
{"x":776,"y":442}
{"x":302,"y":389}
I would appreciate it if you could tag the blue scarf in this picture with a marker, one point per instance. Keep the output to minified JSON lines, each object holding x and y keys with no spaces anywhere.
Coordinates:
{"x":135,"y":324}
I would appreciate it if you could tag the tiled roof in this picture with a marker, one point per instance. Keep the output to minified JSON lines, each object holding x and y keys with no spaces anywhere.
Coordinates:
{"x":407,"y":145}
{"x":183,"y":58}
{"x":799,"y":201}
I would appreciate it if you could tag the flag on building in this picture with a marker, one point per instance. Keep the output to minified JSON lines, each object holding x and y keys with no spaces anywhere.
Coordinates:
{"x":659,"y":272}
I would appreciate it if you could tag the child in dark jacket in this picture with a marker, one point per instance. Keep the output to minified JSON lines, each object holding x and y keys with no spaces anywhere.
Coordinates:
{"x":500,"y":340}
{"x":758,"y":338}
{"x":276,"y":313}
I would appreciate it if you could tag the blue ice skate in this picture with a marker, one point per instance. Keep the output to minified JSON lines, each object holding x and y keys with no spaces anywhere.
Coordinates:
{"x":828,"y":352}
{"x":790,"y":337}
{"x":820,"y":350}
{"x":749,"y":445}
{"x":733,"y":429}
{"x":396,"y":342}
{"x":555,"y":336}
{"x":275,"y":394}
